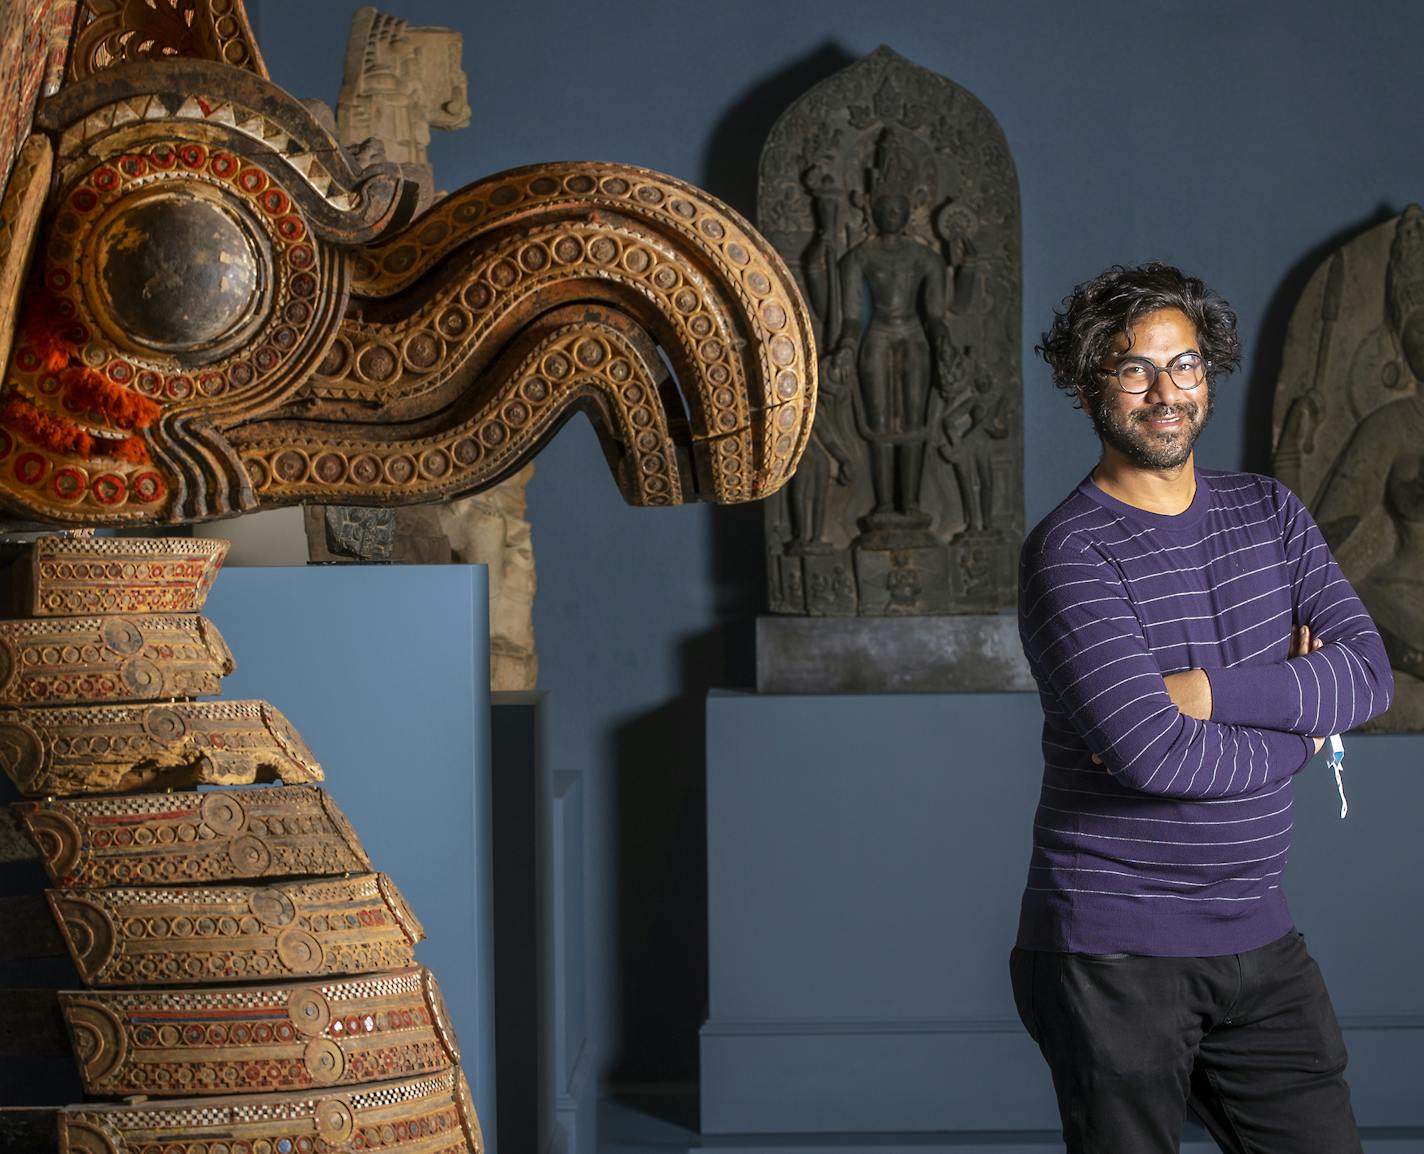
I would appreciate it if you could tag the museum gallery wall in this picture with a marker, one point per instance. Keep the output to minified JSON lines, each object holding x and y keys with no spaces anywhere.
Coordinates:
{"x":1294,"y":144}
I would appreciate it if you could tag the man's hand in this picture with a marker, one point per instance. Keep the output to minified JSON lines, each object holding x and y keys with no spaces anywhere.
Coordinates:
{"x":1190,"y":692}
{"x":1302,"y":642}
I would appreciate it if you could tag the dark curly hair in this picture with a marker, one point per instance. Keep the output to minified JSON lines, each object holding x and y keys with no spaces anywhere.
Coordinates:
{"x":1082,"y":334}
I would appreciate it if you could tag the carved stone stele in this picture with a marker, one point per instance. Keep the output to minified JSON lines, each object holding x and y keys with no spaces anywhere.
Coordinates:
{"x":890,"y":193}
{"x":399,"y":83}
{"x":1348,"y":429}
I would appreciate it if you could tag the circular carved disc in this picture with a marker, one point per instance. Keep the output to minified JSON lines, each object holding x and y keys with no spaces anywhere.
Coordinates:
{"x":90,"y":932}
{"x":59,"y":840}
{"x":299,"y":951}
{"x":250,"y":858}
{"x":79,"y":1137}
{"x":223,"y":813}
{"x":334,"y":1120}
{"x":142,"y":676}
{"x":165,"y":726}
{"x":324,"y":1060}
{"x":273,"y":907}
{"x":309,"y":1011}
{"x":122,"y":635}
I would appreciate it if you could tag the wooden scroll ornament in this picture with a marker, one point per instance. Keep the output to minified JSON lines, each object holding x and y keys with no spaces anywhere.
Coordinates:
{"x":316,"y":343}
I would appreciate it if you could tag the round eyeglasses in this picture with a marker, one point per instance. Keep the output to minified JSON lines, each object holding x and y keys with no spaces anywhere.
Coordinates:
{"x":1138,"y":374}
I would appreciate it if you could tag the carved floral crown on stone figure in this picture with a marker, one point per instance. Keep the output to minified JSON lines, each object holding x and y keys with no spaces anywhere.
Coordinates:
{"x":207,"y":308}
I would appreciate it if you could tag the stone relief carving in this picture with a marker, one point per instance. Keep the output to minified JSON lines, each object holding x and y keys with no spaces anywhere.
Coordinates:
{"x":891,"y":193}
{"x":1349,"y":432}
{"x":400,"y":83}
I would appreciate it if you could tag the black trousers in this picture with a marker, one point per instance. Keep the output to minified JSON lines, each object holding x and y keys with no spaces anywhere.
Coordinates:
{"x":1248,"y":1042}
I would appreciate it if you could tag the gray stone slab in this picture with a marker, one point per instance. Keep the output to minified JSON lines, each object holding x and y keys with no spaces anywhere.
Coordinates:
{"x":964,"y":653}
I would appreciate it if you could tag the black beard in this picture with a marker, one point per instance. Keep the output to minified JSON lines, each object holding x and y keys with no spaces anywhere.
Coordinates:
{"x":1120,"y":430}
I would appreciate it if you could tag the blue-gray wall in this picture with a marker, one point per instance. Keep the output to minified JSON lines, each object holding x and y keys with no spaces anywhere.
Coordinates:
{"x":1268,"y":132}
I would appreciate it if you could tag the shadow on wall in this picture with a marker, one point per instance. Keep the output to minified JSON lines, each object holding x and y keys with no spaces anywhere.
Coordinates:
{"x":660,"y":756}
{"x":1266,"y":357}
{"x":661,"y":840}
{"x":733,"y":153}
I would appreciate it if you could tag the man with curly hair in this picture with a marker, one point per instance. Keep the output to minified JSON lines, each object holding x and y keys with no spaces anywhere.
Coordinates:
{"x":1194,"y":643}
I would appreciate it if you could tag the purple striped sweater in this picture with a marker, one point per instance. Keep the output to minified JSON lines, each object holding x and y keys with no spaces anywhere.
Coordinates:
{"x":1176,"y":843}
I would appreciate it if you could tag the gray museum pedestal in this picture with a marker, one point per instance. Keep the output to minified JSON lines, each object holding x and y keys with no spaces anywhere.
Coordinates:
{"x":866,"y":855}
{"x":962,"y":653}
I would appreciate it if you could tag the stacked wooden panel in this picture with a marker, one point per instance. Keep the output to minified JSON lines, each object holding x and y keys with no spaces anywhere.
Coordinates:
{"x":252,"y":985}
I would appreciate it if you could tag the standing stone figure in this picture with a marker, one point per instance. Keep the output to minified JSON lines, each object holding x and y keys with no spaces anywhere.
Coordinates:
{"x":891,"y":193}
{"x":400,"y":82}
{"x":1349,"y":429}
{"x":893,"y":353}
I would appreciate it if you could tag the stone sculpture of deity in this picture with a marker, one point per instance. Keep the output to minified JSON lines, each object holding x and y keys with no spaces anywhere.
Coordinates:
{"x":1350,"y":407}
{"x":893,"y":353}
{"x":892,"y":195}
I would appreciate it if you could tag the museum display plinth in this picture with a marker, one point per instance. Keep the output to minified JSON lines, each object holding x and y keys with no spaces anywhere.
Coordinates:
{"x":963,"y":653}
{"x":866,"y":855}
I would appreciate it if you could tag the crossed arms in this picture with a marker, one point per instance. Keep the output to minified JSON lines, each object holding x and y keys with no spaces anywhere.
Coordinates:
{"x":1199,"y":733}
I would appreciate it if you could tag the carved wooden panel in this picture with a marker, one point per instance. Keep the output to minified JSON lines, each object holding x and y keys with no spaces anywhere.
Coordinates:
{"x":167,"y":937}
{"x":193,"y":838}
{"x":115,"y":32}
{"x":101,"y":748}
{"x":79,"y":575}
{"x":21,"y":204}
{"x":314,"y":349}
{"x":261,"y":1038}
{"x":431,"y":1115}
{"x":34,"y":43}
{"x":63,"y":660}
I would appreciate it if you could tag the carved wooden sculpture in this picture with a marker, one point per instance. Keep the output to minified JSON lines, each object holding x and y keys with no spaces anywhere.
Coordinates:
{"x":223,"y":314}
{"x":206,"y":308}
{"x":399,"y":83}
